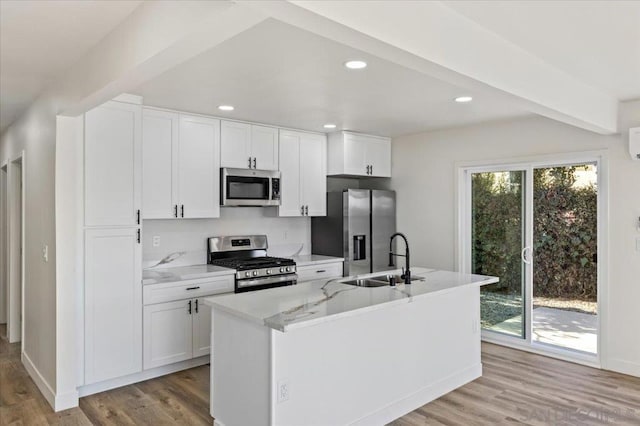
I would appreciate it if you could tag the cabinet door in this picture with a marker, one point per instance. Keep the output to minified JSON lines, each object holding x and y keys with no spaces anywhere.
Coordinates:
{"x":355,"y":154}
{"x":264,"y":147}
{"x":113,"y":304}
{"x":313,"y":174}
{"x":199,"y":167}
{"x":167,"y":333}
{"x":201,"y":328}
{"x":160,"y":134}
{"x":112,"y":164}
{"x":379,"y":156}
{"x":235,"y":144}
{"x":290,"y":203}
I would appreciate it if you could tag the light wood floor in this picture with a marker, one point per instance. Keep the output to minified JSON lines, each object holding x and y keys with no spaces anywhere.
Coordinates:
{"x":516,"y":388}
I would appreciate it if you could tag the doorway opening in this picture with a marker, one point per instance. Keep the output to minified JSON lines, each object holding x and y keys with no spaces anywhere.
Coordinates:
{"x":15,"y":249}
{"x":536,"y":226}
{"x":4,"y":276}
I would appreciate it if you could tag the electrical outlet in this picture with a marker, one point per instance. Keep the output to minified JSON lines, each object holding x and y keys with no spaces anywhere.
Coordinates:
{"x":45,"y":253}
{"x":283,"y":390}
{"x":156,"y":240}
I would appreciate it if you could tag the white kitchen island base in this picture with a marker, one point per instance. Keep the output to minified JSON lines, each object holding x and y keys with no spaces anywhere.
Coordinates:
{"x":363,"y":366}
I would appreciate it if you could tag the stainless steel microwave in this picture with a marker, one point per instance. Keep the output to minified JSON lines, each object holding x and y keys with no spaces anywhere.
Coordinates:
{"x":249,"y":187}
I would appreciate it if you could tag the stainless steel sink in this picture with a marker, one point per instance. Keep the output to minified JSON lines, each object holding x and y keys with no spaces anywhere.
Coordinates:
{"x":365,"y":282}
{"x":399,"y":280}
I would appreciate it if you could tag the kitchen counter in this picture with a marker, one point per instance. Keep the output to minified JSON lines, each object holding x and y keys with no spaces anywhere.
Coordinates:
{"x":315,"y":259}
{"x":183,"y":273}
{"x":310,"y":303}
{"x":328,"y":353}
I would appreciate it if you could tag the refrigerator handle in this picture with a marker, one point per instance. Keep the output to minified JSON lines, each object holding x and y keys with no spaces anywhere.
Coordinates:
{"x":359,"y":247}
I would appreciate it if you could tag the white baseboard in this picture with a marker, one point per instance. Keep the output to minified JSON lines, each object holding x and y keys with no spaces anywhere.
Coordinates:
{"x":142,"y":376}
{"x":624,"y":367}
{"x":40,"y":381}
{"x":423,"y":396}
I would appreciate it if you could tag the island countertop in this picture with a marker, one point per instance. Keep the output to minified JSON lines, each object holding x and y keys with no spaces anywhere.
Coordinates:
{"x":306,"y":304}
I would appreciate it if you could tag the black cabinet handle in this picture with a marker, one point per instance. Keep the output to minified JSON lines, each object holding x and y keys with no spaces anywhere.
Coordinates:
{"x":193,"y":288}
{"x":254,"y":162}
{"x":249,"y":162}
{"x":189,"y":310}
{"x":319,"y":271}
{"x":196,"y":306}
{"x":138,"y":238}
{"x":138,"y":214}
{"x":182,"y":210}
{"x":175,"y":210}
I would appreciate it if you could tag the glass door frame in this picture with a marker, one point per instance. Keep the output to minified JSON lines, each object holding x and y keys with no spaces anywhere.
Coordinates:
{"x":464,"y":244}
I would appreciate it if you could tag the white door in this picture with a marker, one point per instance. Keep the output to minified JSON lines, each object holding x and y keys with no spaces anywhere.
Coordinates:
{"x":199,"y":167}
{"x":201,"y":328}
{"x":113,"y":158}
{"x":167,"y":333}
{"x":113,"y":303}
{"x":355,"y":154}
{"x":379,"y":157}
{"x":160,"y":132}
{"x":235,"y":145}
{"x":290,"y":203}
{"x":264,"y":147}
{"x":313,"y":174}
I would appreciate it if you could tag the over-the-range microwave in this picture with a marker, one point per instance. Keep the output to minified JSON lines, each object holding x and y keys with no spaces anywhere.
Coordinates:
{"x":249,"y":187}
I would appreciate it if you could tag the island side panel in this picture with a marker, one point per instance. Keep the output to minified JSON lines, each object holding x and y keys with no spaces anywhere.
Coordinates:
{"x":374,"y":367}
{"x":240,"y":371}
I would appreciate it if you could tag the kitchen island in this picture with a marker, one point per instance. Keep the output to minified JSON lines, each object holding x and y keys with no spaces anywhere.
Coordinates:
{"x":329,"y":353}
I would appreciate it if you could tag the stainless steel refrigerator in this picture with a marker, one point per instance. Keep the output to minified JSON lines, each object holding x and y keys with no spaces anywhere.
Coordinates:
{"x":358,"y":226}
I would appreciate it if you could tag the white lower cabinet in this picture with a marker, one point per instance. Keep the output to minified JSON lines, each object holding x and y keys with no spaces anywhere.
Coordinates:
{"x":177,"y":330}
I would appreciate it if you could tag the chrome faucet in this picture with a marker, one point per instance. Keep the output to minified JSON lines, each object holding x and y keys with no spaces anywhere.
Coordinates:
{"x":407,"y":272}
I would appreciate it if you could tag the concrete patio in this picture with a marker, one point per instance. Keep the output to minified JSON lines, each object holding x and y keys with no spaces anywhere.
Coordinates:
{"x":558,"y":327}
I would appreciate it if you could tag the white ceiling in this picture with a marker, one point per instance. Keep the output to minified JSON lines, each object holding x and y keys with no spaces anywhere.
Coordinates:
{"x":278,"y":74}
{"x":597,"y":42}
{"x":41,"y":39}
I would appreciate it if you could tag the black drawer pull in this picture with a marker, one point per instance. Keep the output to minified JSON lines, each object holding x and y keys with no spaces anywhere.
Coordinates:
{"x":319,"y":271}
{"x":193,"y":288}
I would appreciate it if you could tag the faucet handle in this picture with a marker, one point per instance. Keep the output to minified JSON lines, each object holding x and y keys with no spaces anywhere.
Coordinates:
{"x":403,"y":273}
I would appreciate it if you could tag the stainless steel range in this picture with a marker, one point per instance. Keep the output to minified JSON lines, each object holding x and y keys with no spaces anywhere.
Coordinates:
{"x":248,"y":256}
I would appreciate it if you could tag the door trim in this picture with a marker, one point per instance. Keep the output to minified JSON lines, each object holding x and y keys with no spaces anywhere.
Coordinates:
{"x":529,"y":163}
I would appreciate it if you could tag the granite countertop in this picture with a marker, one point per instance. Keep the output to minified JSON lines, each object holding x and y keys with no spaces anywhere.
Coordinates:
{"x":306,"y":304}
{"x":315,"y":259}
{"x":183,"y":273}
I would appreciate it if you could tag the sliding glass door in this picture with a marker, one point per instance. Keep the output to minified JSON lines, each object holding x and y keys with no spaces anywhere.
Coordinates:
{"x":536,"y":227}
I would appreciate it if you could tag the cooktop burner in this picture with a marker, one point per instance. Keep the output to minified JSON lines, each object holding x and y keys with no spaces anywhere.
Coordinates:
{"x":243,"y":264}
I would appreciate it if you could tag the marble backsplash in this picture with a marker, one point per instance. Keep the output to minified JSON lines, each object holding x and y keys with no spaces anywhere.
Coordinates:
{"x":183,"y":241}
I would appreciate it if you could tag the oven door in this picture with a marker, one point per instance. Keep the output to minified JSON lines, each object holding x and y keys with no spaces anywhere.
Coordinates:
{"x":265,"y":282}
{"x":240,"y":187}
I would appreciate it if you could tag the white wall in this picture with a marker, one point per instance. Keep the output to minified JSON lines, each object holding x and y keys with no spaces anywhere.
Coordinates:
{"x":424,"y":175}
{"x":286,"y":235}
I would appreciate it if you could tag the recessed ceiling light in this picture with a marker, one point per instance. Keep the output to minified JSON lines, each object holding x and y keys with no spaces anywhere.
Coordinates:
{"x":463,"y":99}
{"x":226,"y":108}
{"x":355,"y":65}
{"x":329,"y":126}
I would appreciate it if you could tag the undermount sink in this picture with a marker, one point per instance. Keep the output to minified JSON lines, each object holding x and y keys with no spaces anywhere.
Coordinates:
{"x":379,"y":280}
{"x":365,"y":282}
{"x":399,"y":280}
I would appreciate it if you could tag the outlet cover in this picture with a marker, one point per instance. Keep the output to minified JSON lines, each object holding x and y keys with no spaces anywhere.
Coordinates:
{"x":156,"y":241}
{"x":283,"y":390}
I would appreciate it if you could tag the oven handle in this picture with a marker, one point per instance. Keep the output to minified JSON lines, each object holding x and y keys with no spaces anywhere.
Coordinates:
{"x":266,"y":280}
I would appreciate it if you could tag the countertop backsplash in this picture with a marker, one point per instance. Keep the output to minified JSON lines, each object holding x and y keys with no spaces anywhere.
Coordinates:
{"x":183,"y":241}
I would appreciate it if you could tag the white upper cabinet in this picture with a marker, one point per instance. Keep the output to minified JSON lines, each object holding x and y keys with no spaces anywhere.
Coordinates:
{"x":303,"y":169}
{"x":113,"y":164}
{"x":199,"y":167}
{"x":160,"y":133}
{"x":181,"y":162}
{"x":356,"y":154}
{"x":248,"y":146}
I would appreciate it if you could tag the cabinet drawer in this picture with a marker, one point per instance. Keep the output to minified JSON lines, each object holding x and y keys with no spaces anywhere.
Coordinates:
{"x":318,"y":272}
{"x":167,"y":292}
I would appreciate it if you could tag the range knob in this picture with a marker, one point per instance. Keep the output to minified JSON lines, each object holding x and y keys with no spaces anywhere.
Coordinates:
{"x":255,"y":273}
{"x":246,"y":274}
{"x":281,"y":269}
{"x":268,"y":271}
{"x":288,"y":269}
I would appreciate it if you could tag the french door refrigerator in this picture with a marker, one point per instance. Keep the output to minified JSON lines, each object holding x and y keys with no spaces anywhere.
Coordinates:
{"x":358,"y":227}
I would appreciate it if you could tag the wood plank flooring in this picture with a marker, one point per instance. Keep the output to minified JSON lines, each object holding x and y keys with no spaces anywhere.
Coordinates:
{"x":516,"y":388}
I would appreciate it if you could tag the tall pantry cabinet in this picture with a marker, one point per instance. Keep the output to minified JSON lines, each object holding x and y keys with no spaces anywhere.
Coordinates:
{"x":112,"y":251}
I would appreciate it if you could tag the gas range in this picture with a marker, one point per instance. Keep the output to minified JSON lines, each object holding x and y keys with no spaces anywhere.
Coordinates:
{"x":248,"y":256}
